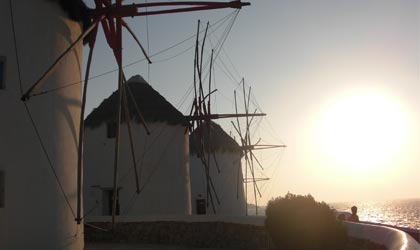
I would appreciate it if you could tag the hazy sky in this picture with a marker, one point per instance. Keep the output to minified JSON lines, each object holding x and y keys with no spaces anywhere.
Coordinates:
{"x":338,"y":79}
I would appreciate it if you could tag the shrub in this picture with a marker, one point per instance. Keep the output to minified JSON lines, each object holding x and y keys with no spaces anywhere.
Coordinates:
{"x":299,"y":222}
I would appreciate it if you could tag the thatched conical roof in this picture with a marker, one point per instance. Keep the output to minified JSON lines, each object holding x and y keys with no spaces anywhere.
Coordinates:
{"x":153,"y":106}
{"x":220,"y":141}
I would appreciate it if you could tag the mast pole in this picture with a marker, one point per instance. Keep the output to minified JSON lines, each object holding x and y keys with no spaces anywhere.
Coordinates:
{"x":118,"y":53}
{"x":82,"y":129}
{"x":248,"y":141}
{"x":130,"y":134}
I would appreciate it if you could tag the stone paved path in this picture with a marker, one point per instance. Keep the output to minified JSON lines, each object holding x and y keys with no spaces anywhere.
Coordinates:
{"x":126,"y":246}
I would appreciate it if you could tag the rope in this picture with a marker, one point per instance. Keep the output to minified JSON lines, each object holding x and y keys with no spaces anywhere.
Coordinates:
{"x":15,"y":45}
{"x":31,"y":118}
{"x":176,"y":55}
{"x":231,"y":63}
{"x":217,"y":48}
{"x":55,"y":89}
{"x":91,"y":209}
{"x":154,"y":168}
{"x":48,"y":158}
{"x":227,"y":34}
{"x":143,"y":156}
{"x":148,"y":43}
{"x":95,"y":227}
{"x":226,"y":72}
{"x":184,"y":97}
{"x":218,"y":23}
{"x":224,"y":69}
{"x":145,"y":150}
{"x":130,"y":203}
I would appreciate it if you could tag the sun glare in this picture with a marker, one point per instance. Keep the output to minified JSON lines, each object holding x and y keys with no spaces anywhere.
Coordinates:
{"x":362,"y":131}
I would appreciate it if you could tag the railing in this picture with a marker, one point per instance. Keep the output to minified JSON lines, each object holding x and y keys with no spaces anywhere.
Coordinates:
{"x":391,"y":238}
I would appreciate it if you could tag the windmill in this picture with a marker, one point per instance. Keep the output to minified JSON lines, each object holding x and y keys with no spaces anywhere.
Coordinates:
{"x":251,"y":162}
{"x":57,"y":49}
{"x":160,"y":187}
{"x":201,"y":120}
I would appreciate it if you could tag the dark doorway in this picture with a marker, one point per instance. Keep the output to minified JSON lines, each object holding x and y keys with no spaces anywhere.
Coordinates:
{"x":107,"y":201}
{"x":201,"y":206}
{"x":2,"y":189}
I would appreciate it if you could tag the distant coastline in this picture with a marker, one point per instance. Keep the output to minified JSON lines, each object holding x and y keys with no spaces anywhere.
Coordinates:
{"x":252,"y":211}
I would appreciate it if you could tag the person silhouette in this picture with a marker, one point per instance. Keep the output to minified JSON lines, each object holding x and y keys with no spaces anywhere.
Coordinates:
{"x":353,"y":217}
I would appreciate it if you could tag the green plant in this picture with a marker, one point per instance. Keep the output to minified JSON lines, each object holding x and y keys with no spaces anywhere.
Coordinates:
{"x":299,"y":222}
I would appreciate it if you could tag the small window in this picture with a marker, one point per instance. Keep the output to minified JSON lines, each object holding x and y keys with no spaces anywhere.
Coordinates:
{"x":2,"y":189}
{"x":2,"y":72}
{"x":111,"y":128}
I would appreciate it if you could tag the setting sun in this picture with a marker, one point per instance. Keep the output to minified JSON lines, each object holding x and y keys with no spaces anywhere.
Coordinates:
{"x":363,"y":130}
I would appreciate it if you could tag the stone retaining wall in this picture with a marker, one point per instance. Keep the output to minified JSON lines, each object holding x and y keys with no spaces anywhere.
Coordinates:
{"x":191,"y":234}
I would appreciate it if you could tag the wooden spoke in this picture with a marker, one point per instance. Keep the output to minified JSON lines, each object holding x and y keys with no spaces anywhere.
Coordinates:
{"x":137,"y":41}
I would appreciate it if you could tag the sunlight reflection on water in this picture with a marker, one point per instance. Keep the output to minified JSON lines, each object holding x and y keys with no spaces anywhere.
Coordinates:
{"x":402,"y":213}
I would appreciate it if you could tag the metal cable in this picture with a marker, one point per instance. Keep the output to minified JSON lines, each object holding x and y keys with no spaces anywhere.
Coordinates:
{"x":154,"y":168}
{"x":217,"y":48}
{"x":148,"y":43}
{"x":219,"y":23}
{"x":32,"y":120}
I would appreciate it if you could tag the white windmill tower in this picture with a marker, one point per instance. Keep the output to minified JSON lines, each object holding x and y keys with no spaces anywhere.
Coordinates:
{"x":225,"y":175}
{"x":158,"y":183}
{"x":38,"y":140}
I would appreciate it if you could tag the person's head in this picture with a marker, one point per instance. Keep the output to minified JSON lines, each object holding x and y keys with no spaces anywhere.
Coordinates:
{"x":354,"y":210}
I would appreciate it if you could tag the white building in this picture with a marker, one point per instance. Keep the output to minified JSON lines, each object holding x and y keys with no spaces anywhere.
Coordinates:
{"x":37,"y":187}
{"x":162,"y":157}
{"x":228,"y":183}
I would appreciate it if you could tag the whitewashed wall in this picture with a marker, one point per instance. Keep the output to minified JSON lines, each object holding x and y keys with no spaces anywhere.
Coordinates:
{"x":164,"y":170}
{"x":35,"y":215}
{"x":231,"y":195}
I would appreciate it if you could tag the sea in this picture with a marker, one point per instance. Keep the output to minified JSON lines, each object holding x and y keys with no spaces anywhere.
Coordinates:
{"x":400,"y":213}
